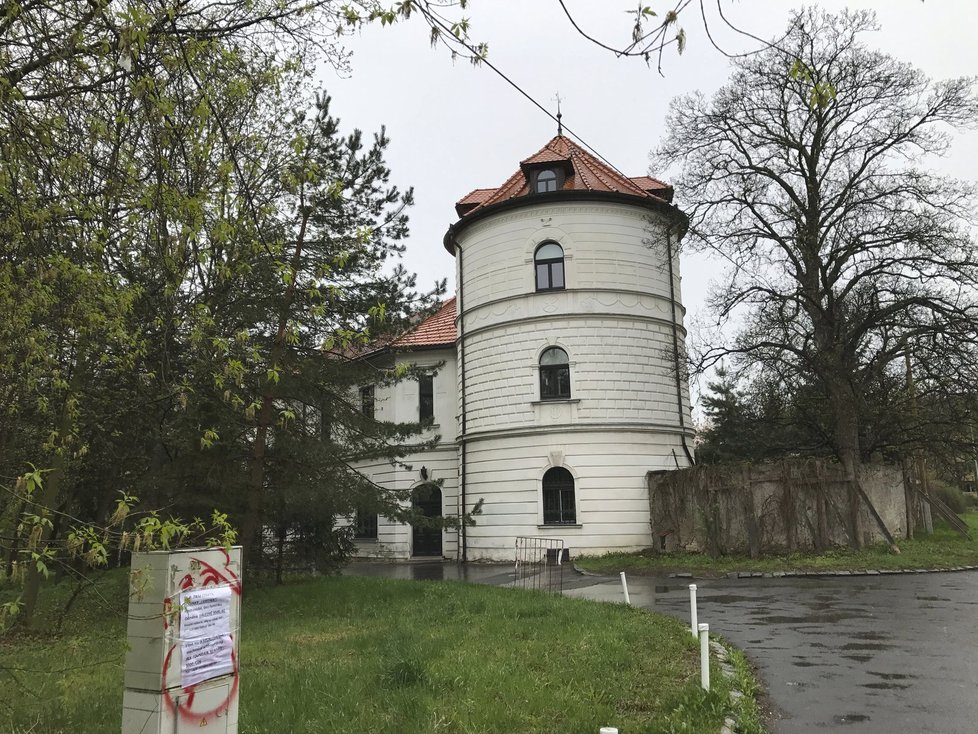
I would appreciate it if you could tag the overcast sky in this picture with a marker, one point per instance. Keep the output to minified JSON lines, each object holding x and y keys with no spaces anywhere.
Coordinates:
{"x":455,"y":127}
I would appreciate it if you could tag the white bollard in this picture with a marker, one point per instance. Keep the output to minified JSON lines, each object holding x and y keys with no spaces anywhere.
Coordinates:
{"x":624,"y":588}
{"x":705,"y":656}
{"x":608,"y":730}
{"x":692,"y":610}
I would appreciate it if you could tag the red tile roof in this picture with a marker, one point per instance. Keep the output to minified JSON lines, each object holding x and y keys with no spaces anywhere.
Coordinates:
{"x":585,"y":173}
{"x":650,"y":184}
{"x":435,"y":331}
{"x":470,"y":201}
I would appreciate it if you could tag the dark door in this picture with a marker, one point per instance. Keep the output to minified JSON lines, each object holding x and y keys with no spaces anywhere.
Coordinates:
{"x":427,"y":540}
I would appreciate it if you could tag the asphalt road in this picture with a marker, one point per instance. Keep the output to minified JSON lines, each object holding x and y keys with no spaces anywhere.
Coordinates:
{"x":862,"y":654}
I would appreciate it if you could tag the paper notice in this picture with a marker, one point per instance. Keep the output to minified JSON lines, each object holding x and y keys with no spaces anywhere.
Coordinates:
{"x":205,"y":634}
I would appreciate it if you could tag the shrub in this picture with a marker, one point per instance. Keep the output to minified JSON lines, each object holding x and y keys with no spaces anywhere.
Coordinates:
{"x":951,"y":496}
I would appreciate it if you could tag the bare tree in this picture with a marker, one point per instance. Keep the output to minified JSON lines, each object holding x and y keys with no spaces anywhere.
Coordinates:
{"x":655,"y":31}
{"x":802,"y":171}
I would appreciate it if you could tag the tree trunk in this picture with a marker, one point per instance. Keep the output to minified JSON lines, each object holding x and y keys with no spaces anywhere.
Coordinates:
{"x":251,"y":526}
{"x":45,"y":501}
{"x":251,"y":536}
{"x":842,"y":400}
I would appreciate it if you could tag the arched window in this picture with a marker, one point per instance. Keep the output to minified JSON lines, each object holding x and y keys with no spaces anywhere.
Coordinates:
{"x":558,"y":497}
{"x":549,"y":263}
{"x":554,"y":374}
{"x":546,"y":181}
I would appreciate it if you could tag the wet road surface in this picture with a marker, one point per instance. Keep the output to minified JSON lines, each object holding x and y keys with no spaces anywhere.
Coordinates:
{"x":861,"y":654}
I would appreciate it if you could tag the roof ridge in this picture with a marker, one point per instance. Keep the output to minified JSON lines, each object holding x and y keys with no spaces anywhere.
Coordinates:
{"x":610,"y":174}
{"x":546,"y":146}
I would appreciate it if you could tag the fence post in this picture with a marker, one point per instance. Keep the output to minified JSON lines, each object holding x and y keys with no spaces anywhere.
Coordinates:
{"x":624,"y":588}
{"x":705,"y":656}
{"x":692,"y":610}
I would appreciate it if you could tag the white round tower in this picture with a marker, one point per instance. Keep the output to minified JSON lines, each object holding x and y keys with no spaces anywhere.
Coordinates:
{"x":570,"y":344}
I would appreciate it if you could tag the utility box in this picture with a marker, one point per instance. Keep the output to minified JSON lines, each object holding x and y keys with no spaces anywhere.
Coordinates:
{"x":182,"y":663}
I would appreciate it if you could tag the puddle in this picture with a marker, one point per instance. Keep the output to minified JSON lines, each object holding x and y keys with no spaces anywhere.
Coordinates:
{"x":865,"y":646}
{"x":892,"y":676}
{"x":729,"y":599}
{"x":850,"y":718}
{"x":886,"y":686}
{"x":871,"y":635}
{"x":859,"y":658}
{"x":424,"y":572}
{"x":808,"y":619}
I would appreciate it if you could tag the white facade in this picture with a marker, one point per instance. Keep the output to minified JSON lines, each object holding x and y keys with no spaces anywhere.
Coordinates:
{"x":619,"y":320}
{"x":399,"y":404}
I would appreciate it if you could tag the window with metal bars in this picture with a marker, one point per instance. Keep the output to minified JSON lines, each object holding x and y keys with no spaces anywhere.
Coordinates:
{"x":365,"y":525}
{"x":558,"y":497}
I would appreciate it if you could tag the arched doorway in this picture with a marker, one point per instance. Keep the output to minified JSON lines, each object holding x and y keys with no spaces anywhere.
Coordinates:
{"x":426,"y":499}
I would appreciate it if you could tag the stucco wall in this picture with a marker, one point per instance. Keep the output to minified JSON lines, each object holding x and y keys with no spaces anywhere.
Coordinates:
{"x":614,"y":320}
{"x":394,"y":540}
{"x":399,"y":403}
{"x":608,"y":467}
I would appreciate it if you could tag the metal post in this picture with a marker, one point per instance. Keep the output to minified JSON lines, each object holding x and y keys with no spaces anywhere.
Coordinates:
{"x":624,"y":588}
{"x":692,"y":609}
{"x":705,"y":656}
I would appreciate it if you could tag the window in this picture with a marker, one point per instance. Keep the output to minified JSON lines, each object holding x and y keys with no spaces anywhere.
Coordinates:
{"x":554,"y":374}
{"x":546,"y":181}
{"x":549,"y":263}
{"x":365,"y":525}
{"x":367,"y":401}
{"x":426,"y":397}
{"x":558,"y":497}
{"x":325,"y":423}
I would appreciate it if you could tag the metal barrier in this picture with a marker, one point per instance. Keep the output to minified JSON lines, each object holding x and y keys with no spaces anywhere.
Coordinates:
{"x":540,"y":564}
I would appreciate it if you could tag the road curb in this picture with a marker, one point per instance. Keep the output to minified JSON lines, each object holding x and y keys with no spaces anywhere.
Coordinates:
{"x":722,"y":653}
{"x":788,"y":574}
{"x":822,"y":574}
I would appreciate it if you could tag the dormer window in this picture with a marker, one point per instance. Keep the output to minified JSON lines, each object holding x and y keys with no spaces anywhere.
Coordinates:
{"x":546,"y":181}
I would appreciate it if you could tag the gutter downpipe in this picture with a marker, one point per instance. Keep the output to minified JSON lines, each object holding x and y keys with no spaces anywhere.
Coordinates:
{"x":675,"y":351}
{"x":463,"y":556}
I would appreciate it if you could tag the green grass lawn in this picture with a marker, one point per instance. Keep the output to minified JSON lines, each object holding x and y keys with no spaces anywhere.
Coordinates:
{"x":376,"y":655}
{"x":943,"y":549}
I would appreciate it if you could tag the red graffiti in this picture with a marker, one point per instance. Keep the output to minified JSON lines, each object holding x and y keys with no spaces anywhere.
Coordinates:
{"x":183,"y":709}
{"x":209,"y":576}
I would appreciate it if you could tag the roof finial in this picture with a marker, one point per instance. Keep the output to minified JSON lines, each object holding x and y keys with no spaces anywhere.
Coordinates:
{"x":560,"y":128}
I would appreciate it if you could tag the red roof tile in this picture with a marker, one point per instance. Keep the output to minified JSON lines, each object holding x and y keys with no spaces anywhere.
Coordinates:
{"x":652,"y":185}
{"x":470,"y":201}
{"x":546,"y":155}
{"x":435,"y":331}
{"x":478,"y":196}
{"x":585,"y":173}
